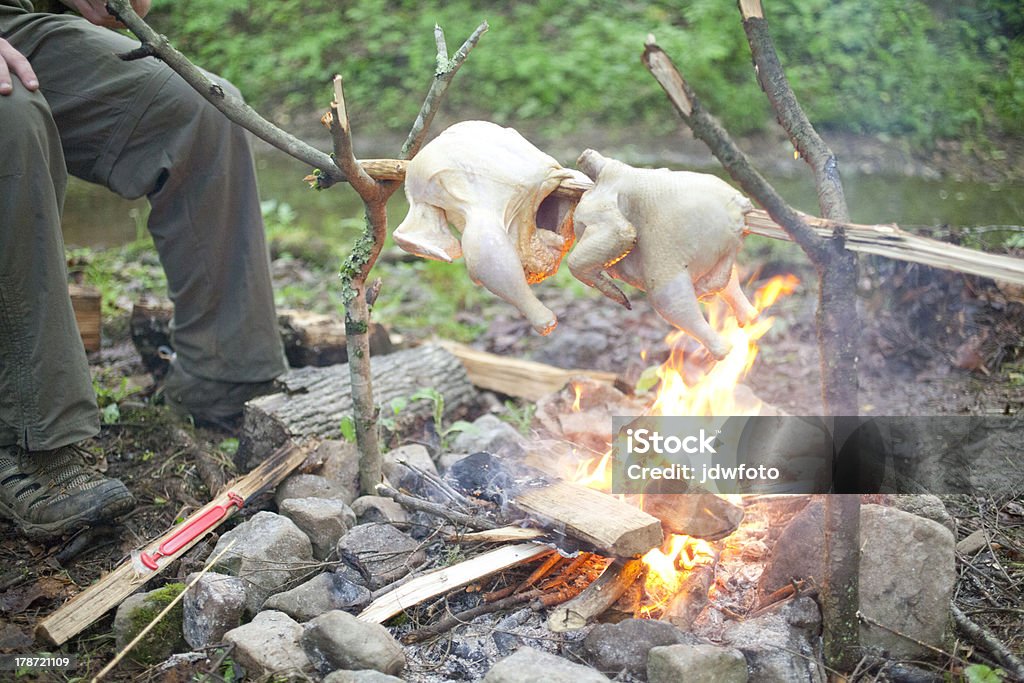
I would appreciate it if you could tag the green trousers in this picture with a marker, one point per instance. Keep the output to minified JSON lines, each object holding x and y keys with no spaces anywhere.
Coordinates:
{"x":140,"y":130}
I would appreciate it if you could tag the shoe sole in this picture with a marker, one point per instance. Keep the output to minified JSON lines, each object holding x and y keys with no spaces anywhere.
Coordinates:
{"x":115,"y":502}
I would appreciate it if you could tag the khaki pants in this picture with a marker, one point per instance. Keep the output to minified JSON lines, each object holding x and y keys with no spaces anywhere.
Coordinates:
{"x":138,"y":129}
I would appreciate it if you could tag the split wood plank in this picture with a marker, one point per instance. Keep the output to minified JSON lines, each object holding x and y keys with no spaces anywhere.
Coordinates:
{"x":608,"y":525}
{"x":524,"y":379}
{"x":883,"y":240}
{"x":86,"y":303}
{"x":109,"y":591}
{"x":435,"y":583}
{"x":503,"y":534}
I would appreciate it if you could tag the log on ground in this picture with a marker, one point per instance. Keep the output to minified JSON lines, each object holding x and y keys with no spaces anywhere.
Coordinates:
{"x":308,"y":338}
{"x":314,"y":401}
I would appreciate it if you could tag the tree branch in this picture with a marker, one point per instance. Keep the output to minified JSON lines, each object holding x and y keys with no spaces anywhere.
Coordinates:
{"x":790,"y":114}
{"x":707,"y":129}
{"x":232,"y":107}
{"x":446,"y":70}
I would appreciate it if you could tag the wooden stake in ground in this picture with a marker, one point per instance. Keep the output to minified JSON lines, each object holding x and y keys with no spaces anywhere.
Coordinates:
{"x":597,"y":597}
{"x":85,"y":608}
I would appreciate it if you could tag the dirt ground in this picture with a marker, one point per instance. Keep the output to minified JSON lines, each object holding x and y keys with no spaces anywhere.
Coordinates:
{"x":933,"y":343}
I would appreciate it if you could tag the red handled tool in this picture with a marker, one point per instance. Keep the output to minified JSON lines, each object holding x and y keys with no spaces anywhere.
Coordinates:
{"x":191,"y":531}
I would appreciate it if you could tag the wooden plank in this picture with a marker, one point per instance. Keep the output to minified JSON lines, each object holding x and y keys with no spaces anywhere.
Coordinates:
{"x":883,"y":240}
{"x":516,"y":377}
{"x":86,"y":303}
{"x":435,"y":583}
{"x":610,"y":526}
{"x":81,"y":611}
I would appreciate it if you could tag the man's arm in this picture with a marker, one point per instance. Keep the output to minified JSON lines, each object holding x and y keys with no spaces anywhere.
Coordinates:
{"x":12,"y":61}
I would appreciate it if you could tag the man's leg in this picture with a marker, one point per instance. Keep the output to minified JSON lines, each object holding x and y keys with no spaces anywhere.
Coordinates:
{"x":139,"y":129}
{"x":46,"y":395}
{"x":46,"y":398}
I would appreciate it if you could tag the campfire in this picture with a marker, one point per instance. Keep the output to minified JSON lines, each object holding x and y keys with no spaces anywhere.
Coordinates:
{"x":651,"y":556}
{"x":678,"y":574}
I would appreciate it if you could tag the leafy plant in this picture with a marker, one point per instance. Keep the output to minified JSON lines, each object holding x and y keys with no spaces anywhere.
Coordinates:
{"x":109,"y":397}
{"x":980,"y":673}
{"x":437,"y":398}
{"x":519,"y":415}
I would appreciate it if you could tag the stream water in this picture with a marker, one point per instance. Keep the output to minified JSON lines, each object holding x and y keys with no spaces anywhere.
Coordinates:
{"x":93,"y":216}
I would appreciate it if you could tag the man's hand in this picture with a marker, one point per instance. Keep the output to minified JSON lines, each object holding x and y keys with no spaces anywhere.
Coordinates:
{"x":95,"y":11}
{"x":12,"y":61}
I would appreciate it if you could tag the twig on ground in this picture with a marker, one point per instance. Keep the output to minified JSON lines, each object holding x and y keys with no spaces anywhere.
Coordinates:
{"x":466,"y":616}
{"x":983,"y":638}
{"x":406,"y":500}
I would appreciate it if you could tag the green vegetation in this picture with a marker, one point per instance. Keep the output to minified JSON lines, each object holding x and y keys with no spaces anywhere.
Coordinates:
{"x":921,"y":70}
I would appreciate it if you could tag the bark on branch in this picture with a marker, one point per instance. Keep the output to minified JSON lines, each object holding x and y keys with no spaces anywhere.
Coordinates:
{"x":154,"y":44}
{"x":837,"y":341}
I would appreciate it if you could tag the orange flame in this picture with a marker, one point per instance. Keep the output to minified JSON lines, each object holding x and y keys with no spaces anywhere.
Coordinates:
{"x":686,"y":390}
{"x":714,"y":391}
{"x":579,"y":394}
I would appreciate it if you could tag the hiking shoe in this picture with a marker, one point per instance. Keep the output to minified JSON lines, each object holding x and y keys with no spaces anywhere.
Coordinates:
{"x":207,"y":401}
{"x":48,"y":493}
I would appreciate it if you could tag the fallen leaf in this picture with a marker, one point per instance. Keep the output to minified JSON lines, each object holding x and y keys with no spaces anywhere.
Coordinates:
{"x":13,"y":639}
{"x":18,"y":599}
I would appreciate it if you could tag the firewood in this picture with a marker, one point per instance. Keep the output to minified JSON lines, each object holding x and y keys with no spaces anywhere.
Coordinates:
{"x":502,"y":535}
{"x":602,"y":522}
{"x":444,"y":580}
{"x":85,"y":301}
{"x":692,"y":597}
{"x":81,"y":611}
{"x":597,"y":597}
{"x":700,"y":514}
{"x":309,"y":338}
{"x":315,"y":400}
{"x":515,"y":377}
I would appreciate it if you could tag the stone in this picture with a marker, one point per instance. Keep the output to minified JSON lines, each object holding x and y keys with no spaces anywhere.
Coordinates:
{"x":323,"y":520}
{"x":269,"y":552}
{"x":364,"y":676}
{"x":211,"y":608}
{"x":269,"y":646}
{"x":402,"y":476}
{"x":700,"y":663}
{"x":907,"y":573}
{"x":322,"y":593}
{"x":614,"y":648}
{"x":528,"y":665}
{"x":337,"y":640}
{"x":380,"y":552}
{"x":907,"y":577}
{"x":780,"y":646}
{"x":798,"y":552}
{"x":137,"y":611}
{"x":447,"y":460}
{"x":379,"y":510}
{"x":973,"y":543}
{"x":414,"y":454}
{"x":923,"y":505}
{"x":310,"y":486}
{"x":340,"y":467}
{"x":491,"y":435}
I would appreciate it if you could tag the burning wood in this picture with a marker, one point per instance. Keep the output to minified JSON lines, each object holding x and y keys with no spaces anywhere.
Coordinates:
{"x":597,"y":597}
